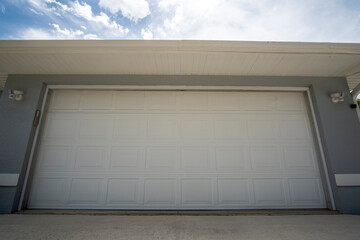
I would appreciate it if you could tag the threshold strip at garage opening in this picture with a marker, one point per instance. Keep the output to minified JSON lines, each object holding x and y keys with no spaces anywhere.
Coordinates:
{"x":264,"y":212}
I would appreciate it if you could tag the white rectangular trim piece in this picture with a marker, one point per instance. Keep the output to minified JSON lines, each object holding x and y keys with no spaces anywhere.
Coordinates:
{"x":347,"y":180}
{"x":9,"y":179}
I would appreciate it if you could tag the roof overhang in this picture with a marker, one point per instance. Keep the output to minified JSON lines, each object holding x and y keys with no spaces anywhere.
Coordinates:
{"x":180,"y":58}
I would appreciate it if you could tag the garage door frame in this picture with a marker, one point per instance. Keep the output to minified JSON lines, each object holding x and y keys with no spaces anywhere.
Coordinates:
{"x":323,"y":166}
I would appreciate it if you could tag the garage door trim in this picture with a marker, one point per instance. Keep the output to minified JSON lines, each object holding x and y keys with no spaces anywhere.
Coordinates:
{"x":323,"y":168}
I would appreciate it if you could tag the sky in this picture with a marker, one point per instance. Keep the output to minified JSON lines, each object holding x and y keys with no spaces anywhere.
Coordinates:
{"x":240,"y":20}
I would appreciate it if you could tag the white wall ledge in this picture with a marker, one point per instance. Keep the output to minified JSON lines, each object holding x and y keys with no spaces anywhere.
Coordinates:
{"x":347,"y":180}
{"x":9,"y":179}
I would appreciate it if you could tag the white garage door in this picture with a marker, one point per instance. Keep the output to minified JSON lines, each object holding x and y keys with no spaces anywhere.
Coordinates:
{"x":176,"y":150}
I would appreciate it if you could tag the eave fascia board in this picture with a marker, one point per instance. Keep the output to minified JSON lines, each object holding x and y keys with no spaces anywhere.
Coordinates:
{"x":183,"y":46}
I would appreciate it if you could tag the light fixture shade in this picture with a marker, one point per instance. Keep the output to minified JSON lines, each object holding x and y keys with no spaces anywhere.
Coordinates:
{"x":16,"y":95}
{"x":337,"y":97}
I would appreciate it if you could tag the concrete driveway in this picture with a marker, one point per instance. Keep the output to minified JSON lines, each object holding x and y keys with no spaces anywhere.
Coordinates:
{"x":314,"y":227}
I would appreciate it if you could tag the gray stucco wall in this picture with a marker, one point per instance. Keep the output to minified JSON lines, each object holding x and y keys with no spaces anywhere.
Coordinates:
{"x":339,"y":125}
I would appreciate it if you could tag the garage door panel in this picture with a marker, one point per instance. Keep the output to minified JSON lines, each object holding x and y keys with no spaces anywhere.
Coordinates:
{"x":65,"y":100}
{"x":128,"y":100}
{"x":265,"y":157}
{"x":230,"y":158}
{"x":305,"y":191}
{"x":259,"y":102}
{"x":197,"y":192}
{"x":176,"y":150}
{"x":290,"y":102}
{"x":195,"y":158}
{"x":49,"y":191}
{"x":129,"y":128}
{"x":226,"y":101}
{"x":91,"y":128}
{"x":90,"y":158}
{"x":269,"y":192}
{"x":234,"y":192}
{"x":161,"y":101}
{"x":193,"y":101}
{"x":123,"y":191}
{"x":196,"y":129}
{"x":61,"y":127}
{"x":85,"y":191}
{"x":160,"y":192}
{"x":96,"y":100}
{"x":294,"y":129}
{"x":230,"y":129}
{"x":299,"y":157}
{"x":162,"y":128}
{"x":259,"y":129}
{"x":55,"y":158}
{"x":161,"y":158}
{"x":126,"y":157}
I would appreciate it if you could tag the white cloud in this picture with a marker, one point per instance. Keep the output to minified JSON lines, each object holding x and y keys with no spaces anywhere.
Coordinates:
{"x":259,"y":20}
{"x":36,"y":34}
{"x":65,"y":33}
{"x":76,"y":13}
{"x":2,"y":8}
{"x":146,"y":34}
{"x":37,"y":3}
{"x":56,"y":32}
{"x":249,"y":20}
{"x":62,"y":6}
{"x":131,"y":9}
{"x":214,"y":19}
{"x":91,"y":36}
{"x":84,"y":10}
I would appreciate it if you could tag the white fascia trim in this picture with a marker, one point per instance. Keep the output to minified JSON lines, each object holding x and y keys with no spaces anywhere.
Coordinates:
{"x":111,"y":46}
{"x":165,"y":87}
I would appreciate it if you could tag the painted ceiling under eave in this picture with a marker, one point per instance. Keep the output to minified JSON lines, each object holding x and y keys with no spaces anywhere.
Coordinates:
{"x":181,"y":58}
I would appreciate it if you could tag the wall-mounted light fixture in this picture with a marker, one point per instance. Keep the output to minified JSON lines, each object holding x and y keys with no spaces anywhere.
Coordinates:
{"x":16,"y":95}
{"x":337,"y":97}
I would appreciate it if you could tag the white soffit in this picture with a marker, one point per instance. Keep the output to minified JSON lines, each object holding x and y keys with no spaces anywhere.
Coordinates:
{"x":3,"y":78}
{"x":179,"y":58}
{"x":353,"y":80}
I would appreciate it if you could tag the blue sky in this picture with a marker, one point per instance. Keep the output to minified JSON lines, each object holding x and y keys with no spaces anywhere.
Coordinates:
{"x":248,"y":20}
